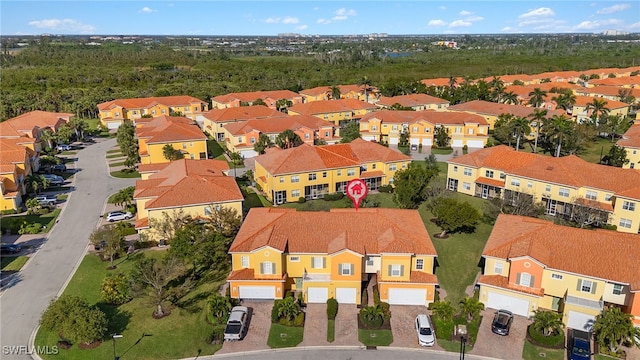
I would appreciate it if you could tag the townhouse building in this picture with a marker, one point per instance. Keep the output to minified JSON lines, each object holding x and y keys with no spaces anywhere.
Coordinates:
{"x":15,"y":166}
{"x":567,"y":187}
{"x":417,"y":102}
{"x":346,"y":92}
{"x":491,"y":111}
{"x":216,"y":119}
{"x":551,"y":88}
{"x":530,"y":264}
{"x":631,"y":143}
{"x":386,"y":126}
{"x":194,"y":188}
{"x":339,"y":112}
{"x":113,"y":113}
{"x":620,"y":82}
{"x":333,"y":254}
{"x":314,"y":171}
{"x":248,"y":98}
{"x":581,"y":112}
{"x":180,"y":132}
{"x":610,"y":93}
{"x":242,"y":136}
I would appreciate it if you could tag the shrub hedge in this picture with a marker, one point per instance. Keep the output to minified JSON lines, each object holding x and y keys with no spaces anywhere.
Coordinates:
{"x":553,"y":342}
{"x":386,"y":189}
{"x":332,"y":308}
{"x":334,"y":197}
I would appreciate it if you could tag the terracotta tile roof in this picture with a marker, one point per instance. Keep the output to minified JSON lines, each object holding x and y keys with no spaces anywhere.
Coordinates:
{"x":631,"y":138}
{"x":440,"y":81}
{"x":306,"y":158}
{"x":316,"y":91}
{"x":372,"y":174}
{"x":147,"y":168}
{"x":618,"y":81}
{"x":331,"y":106}
{"x":249,"y":274}
{"x":495,"y":109}
{"x":25,"y":123}
{"x":606,"y":91}
{"x":411,"y":100}
{"x":431,"y":116}
{"x":277,"y":125}
{"x":609,"y":104}
{"x":503,"y":282}
{"x":568,"y":170}
{"x":255,"y":95}
{"x":595,"y":204}
{"x":367,"y":231}
{"x":524,"y":90}
{"x":7,"y":168}
{"x":392,"y":116}
{"x":241,"y":113}
{"x":142,"y":223}
{"x":415,"y":277}
{"x":490,"y":182}
{"x":142,"y":103}
{"x":166,"y":129}
{"x":601,"y":254}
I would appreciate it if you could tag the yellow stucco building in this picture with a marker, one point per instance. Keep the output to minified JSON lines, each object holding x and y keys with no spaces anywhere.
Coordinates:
{"x":181,"y":133}
{"x":631,"y":143}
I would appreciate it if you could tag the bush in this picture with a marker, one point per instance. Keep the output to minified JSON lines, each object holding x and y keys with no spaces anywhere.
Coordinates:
{"x":386,"y":310}
{"x":10,"y":225}
{"x":610,"y":227}
{"x":73,"y":318}
{"x":376,"y":296}
{"x":8,"y":212}
{"x":34,"y":228}
{"x":115,"y":290}
{"x":144,"y":244}
{"x":300,"y":299}
{"x":444,"y":328}
{"x":274,"y":311}
{"x":386,"y":189}
{"x":374,"y":323}
{"x":332,"y":308}
{"x":334,"y":197}
{"x":365,"y":297}
{"x":217,"y":336}
{"x":299,"y":320}
{"x":302,"y":200}
{"x":555,"y":341}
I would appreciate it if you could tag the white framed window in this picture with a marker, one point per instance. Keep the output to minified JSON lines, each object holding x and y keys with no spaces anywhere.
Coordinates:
{"x":419,"y":264}
{"x":547,"y":188}
{"x":404,"y":165}
{"x":295,"y":193}
{"x":586,"y":286}
{"x":617,"y":289}
{"x":466,"y":186}
{"x":326,"y":134}
{"x":295,"y":178}
{"x":281,"y":179}
{"x":394,"y":127}
{"x":628,"y":205}
{"x":268,"y":268}
{"x":564,"y":192}
{"x":625,"y":223}
{"x":556,"y":276}
{"x":351,"y":172}
{"x":591,"y":195}
{"x":312,"y":176}
{"x":467,"y":172}
{"x":414,"y":129}
{"x":245,"y":261}
{"x":374,"y":128}
{"x":294,"y":258}
{"x":488,"y":173}
{"x":307,"y":136}
{"x":373,"y":166}
{"x":339,"y":172}
{"x":607,"y":197}
{"x":345,"y":269}
{"x":458,"y":130}
{"x":369,"y":260}
{"x":207,"y":210}
{"x":318,"y":262}
{"x":525,"y":279}
{"x":192,"y":156}
{"x":455,"y":169}
{"x":427,"y":130}
{"x":191,"y":144}
{"x":497,"y":268}
{"x":502,"y":176}
{"x":396,"y":270}
{"x":184,"y":145}
{"x":392,"y":167}
{"x":515,"y":182}
{"x":253,"y":140}
{"x":470,"y":131}
{"x":163,"y":111}
{"x":529,"y":184}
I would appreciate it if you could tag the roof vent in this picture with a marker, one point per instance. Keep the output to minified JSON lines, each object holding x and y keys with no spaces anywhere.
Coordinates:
{"x":549,"y":167}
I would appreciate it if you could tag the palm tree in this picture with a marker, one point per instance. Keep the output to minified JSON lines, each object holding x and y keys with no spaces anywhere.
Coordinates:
{"x":565,"y":101}
{"x":443,"y":310}
{"x":520,"y":126}
{"x":36,"y":183}
{"x":262,"y":144}
{"x":79,"y":126}
{"x":536,"y":97}
{"x":510,"y":97}
{"x":288,"y":139}
{"x":288,"y":308}
{"x":538,"y":116}
{"x":365,"y":84}
{"x":48,"y":136}
{"x":557,"y":127}
{"x":497,"y":89}
{"x":547,"y":323}
{"x":283,"y":104}
{"x":597,"y":107}
{"x":613,"y":327}
{"x":259,"y":102}
{"x":335,"y":92}
{"x":372,"y":313}
{"x":170,"y":153}
{"x":471,"y":307}
{"x":217,"y":308}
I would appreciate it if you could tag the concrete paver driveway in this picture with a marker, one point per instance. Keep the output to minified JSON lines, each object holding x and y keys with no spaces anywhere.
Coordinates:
{"x":501,"y":347}
{"x":315,"y":326}
{"x":403,"y":318}
{"x":346,"y":333}
{"x":259,"y":326}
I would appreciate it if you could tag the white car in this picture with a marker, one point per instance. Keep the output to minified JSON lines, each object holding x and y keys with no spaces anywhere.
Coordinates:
{"x":63,"y":147}
{"x":426,"y":335}
{"x":119,"y":215}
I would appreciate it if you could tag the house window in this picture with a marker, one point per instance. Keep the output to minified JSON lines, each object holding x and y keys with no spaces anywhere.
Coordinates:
{"x":281,"y":179}
{"x":455,"y":169}
{"x":625,"y":223}
{"x":488,"y":174}
{"x":207,"y":210}
{"x":184,"y":145}
{"x":394,"y":127}
{"x":414,"y":129}
{"x":617,"y":289}
{"x":515,"y":182}
{"x":628,"y":205}
{"x":369,"y":260}
{"x":563,"y":192}
{"x":373,"y":166}
{"x":404,"y":165}
{"x":419,"y":264}
{"x":307,"y":136}
{"x":253,"y":140}
{"x":458,"y":130}
{"x":294,"y":258}
{"x":586,"y":286}
{"x":153,"y":112}
{"x":312,"y":176}
{"x":345,"y":269}
{"x":318,"y":262}
{"x":556,"y":276}
{"x":392,"y":167}
{"x":245,"y":261}
{"x":470,"y":131}
{"x":117,"y":114}
{"x":324,"y":174}
{"x":326,"y":134}
{"x":607,"y":197}
{"x":191,"y":144}
{"x":547,"y":188}
{"x":351,"y":172}
{"x":339,"y":172}
{"x":529,"y":184}
{"x":591,"y":195}
{"x":396,"y":270}
{"x":502,"y":176}
{"x":466,"y":186}
{"x":497,"y":268}
{"x":295,"y":178}
{"x":480,"y":131}
{"x":295,"y":193}
{"x":427,"y":130}
{"x":632,"y":166}
{"x":467,"y":172}
{"x":272,"y":137}
{"x":192,"y":156}
{"x":163,"y":111}
{"x":268,"y":268}
{"x":374,"y":128}
{"x":526,"y":279}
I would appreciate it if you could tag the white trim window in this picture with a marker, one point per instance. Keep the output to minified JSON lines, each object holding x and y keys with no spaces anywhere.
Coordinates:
{"x":345,"y":269}
{"x":525,"y":279}
{"x":295,"y":178}
{"x":617,"y":289}
{"x":564,"y":192}
{"x":628,"y":205}
{"x":497,"y":268}
{"x":556,"y":276}
{"x":587,"y":286}
{"x":396,"y":270}
{"x":467,"y":172}
{"x":419,"y":264}
{"x":294,"y":258}
{"x":244,"y":261}
{"x":268,"y":268}
{"x":318,"y":262}
{"x":591,"y":195}
{"x":625,"y":223}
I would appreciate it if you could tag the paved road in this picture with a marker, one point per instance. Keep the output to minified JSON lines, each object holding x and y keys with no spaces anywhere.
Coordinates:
{"x":48,"y":270}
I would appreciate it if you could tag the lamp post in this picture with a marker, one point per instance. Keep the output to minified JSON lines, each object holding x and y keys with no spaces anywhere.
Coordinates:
{"x":463,"y":343}
{"x":114,"y":337}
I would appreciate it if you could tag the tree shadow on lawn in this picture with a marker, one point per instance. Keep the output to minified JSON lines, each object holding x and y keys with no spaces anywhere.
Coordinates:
{"x":118,"y":319}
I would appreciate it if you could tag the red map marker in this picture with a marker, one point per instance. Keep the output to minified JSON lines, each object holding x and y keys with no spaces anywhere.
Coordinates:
{"x":356,"y":191}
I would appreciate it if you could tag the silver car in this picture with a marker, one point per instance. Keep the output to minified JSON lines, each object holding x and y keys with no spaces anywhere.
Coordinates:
{"x":119,"y":215}
{"x":426,"y":335}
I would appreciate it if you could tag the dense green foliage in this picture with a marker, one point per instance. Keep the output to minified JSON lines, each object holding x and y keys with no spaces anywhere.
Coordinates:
{"x":115,"y":289}
{"x":332,"y":308}
{"x":75,"y":320}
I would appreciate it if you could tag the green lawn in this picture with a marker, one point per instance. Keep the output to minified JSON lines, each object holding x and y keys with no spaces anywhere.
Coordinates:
{"x":215,"y":150}
{"x":115,"y":155}
{"x":12,"y":263}
{"x":380,"y":337}
{"x":114,"y":164}
{"x":331,"y":330}
{"x":125,"y":174}
{"x":281,"y":336}
{"x":437,"y":151}
{"x":70,"y":152}
{"x":252,"y":199}
{"x":114,"y":151}
{"x":182,"y":334}
{"x":596,"y":150}
{"x":46,"y":220}
{"x":532,"y":352}
{"x":452,"y":346}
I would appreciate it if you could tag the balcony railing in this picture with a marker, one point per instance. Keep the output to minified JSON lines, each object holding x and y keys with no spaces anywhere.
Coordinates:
{"x":316,"y":277}
{"x":585,"y":303}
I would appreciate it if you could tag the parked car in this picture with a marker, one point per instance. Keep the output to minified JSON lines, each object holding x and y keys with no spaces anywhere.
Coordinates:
{"x":55,"y":180}
{"x":119,"y":215}
{"x":579,"y":345}
{"x":237,"y":325}
{"x":502,"y":322}
{"x":10,"y":248}
{"x":426,"y":335}
{"x":59,"y":168}
{"x":414,"y":147}
{"x":45,"y":200}
{"x":63,"y":147}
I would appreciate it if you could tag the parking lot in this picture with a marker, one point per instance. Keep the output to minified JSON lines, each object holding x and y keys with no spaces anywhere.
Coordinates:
{"x":500,"y":347}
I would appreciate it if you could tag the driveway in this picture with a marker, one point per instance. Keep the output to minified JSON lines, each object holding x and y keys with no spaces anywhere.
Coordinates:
{"x":346,"y":326}
{"x":259,"y":326}
{"x":501,"y":347}
{"x":403,"y":318}
{"x":315,"y":326}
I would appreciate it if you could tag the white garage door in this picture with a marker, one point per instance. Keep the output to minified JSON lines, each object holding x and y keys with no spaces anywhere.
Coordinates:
{"x":457,"y":143}
{"x":414,"y":141}
{"x":426,"y":142}
{"x":580,"y":321}
{"x":407,"y":296}
{"x":113,"y":125}
{"x":369,"y":138}
{"x":475,"y":143}
{"x":515,"y":305}
{"x":257,"y":292}
{"x":393,"y":141}
{"x":317,"y":295}
{"x":248,"y":153}
{"x":346,"y":295}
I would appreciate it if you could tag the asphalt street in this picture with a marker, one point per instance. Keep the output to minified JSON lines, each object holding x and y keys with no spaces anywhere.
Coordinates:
{"x":48,"y":270}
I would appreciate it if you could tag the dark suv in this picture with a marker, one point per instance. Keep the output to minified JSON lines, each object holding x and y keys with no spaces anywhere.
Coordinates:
{"x":579,"y":345}
{"x":502,"y":322}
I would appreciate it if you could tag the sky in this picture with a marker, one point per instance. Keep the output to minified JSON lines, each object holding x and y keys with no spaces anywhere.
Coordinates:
{"x":320,"y":17}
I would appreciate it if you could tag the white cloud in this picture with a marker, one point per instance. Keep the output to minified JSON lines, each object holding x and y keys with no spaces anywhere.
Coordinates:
{"x":474,"y":18}
{"x":272,"y":20}
{"x":316,"y":8}
{"x":323,"y":21}
{"x":63,"y":25}
{"x":436,"y":23}
{"x":343,"y":14}
{"x":465,"y":13}
{"x":301,"y":27}
{"x":442,"y":7}
{"x":460,"y":23}
{"x":591,"y":25}
{"x":539,"y":12}
{"x":290,"y":20}
{"x":339,"y":18}
{"x":147,"y":10}
{"x":508,"y":29}
{"x":613,"y":9}
{"x":635,"y":26}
